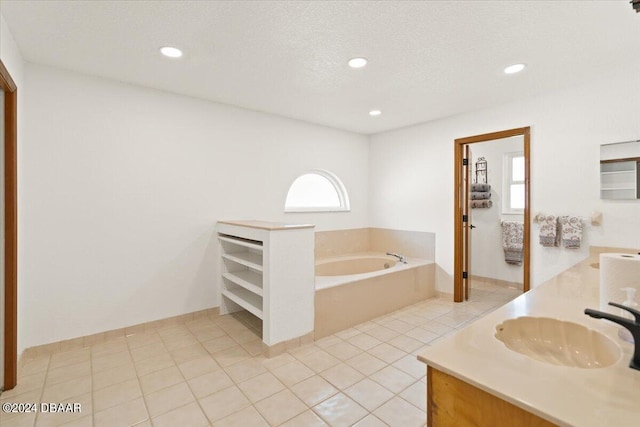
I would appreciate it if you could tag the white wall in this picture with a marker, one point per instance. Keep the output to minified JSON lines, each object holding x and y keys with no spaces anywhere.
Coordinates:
{"x":412,"y":169}
{"x":487,"y":255}
{"x":121,"y":188}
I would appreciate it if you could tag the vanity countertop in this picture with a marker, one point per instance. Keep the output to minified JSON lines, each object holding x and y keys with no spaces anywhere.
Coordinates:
{"x":565,"y":396}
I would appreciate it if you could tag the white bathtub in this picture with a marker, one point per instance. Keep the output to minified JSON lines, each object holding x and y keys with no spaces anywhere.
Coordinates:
{"x":354,"y":288}
{"x":359,"y":266}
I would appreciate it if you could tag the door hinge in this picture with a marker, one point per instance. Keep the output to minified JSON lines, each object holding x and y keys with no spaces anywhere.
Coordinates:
{"x":465,"y":162}
{"x":464,"y":274}
{"x":465,"y":218}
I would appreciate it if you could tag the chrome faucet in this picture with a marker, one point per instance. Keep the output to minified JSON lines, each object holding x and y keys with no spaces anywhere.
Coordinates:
{"x":632,"y":325}
{"x":401,"y":258}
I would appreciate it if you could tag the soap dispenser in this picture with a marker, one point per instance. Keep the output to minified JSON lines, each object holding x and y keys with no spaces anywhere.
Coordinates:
{"x":629,"y":302}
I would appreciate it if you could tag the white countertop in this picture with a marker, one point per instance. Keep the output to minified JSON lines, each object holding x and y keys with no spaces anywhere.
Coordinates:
{"x":565,"y":396}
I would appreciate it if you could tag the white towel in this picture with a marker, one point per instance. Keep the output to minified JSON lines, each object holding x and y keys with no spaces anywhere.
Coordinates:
{"x":549,"y":233}
{"x":571,"y":231}
{"x":512,"y":241}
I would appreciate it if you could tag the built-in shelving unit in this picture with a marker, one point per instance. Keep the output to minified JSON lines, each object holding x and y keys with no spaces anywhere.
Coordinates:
{"x":620,"y":170}
{"x":268,"y":270}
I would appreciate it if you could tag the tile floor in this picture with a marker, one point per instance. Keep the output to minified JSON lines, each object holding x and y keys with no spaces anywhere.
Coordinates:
{"x":210,"y":372}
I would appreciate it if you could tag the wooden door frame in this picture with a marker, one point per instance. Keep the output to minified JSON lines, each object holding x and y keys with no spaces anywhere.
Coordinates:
{"x":11,"y":228}
{"x":457,"y":212}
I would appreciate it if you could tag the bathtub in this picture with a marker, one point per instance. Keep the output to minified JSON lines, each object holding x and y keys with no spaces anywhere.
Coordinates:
{"x":352,"y":289}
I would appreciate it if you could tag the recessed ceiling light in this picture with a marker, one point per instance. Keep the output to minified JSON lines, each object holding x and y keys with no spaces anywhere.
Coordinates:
{"x":357,"y":62}
{"x":375,"y":113}
{"x":515,"y":68}
{"x":171,"y":52}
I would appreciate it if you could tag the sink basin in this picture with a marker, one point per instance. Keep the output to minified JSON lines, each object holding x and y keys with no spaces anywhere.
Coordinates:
{"x":558,"y":342}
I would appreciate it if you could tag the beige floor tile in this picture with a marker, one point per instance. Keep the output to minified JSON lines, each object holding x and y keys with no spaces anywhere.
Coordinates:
{"x":188,"y":416}
{"x":254,"y":347}
{"x":218,"y":344}
{"x":20,"y":420}
{"x":280,"y":407}
{"x":368,"y":394}
{"x":160,"y":379}
{"x":343,"y":350}
{"x":382,"y":333}
{"x":116,"y":394}
{"x":303,"y":350}
{"x":436,"y":328}
{"x":223,"y":403}
{"x":64,"y":390}
{"x":188,"y":353}
{"x":169,"y":332}
{"x":153,"y":364}
{"x":169,"y":398}
{"x":340,"y":411}
{"x":69,"y":372}
{"x":84,"y":421}
{"x":292,"y":373}
{"x":244,"y":418}
{"x":399,"y":326}
{"x":422,"y":335}
{"x":342,"y":376}
{"x":147,"y":351}
{"x":210,"y":383}
{"x":364,"y":327}
{"x":245,"y":370}
{"x":261,"y":386}
{"x":245,"y":336}
{"x":398,"y":412}
{"x":280,"y":360}
{"x":209,"y":333}
{"x":314,"y":390}
{"x":387,"y":353}
{"x":177,"y":342}
{"x":231,"y":356}
{"x":200,"y":366}
{"x":328,"y":341}
{"x":370,"y":421}
{"x":347,"y":333}
{"x":364,"y":341}
{"x":318,"y":361}
{"x":411,"y":365}
{"x":27,"y":396}
{"x":70,"y":358}
{"x":393,"y":379}
{"x":108,"y":347}
{"x":366,"y":363}
{"x":306,"y":419}
{"x":416,"y":394}
{"x":127,"y":414}
{"x":142,"y":339}
{"x":109,"y":361}
{"x":112,"y":376}
{"x":405,"y":343}
{"x":34,"y":366}
{"x":49,"y":419}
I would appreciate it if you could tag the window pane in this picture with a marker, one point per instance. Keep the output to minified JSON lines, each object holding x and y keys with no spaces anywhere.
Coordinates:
{"x":517,"y":168}
{"x":517,"y":196}
{"x":312,"y":190}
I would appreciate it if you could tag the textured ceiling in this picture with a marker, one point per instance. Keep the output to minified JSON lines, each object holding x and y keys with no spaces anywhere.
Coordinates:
{"x":427,"y":59}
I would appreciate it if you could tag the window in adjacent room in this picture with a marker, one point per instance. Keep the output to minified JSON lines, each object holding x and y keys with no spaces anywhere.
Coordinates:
{"x":317,"y":191}
{"x":513,"y":199}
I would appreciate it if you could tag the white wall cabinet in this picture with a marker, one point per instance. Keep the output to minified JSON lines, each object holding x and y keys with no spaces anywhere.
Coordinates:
{"x":268,"y":269}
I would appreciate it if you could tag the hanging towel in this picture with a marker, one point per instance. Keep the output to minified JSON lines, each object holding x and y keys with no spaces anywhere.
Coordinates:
{"x":512,"y":241}
{"x":571,"y":231}
{"x":481,"y":187}
{"x":480,"y":195}
{"x":475,"y":204}
{"x":549,"y":233}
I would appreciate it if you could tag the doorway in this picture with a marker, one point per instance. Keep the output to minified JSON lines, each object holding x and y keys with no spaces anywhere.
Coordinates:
{"x":508,"y":212}
{"x":8,"y":232}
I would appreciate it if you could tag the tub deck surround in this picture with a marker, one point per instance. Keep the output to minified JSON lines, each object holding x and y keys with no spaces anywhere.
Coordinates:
{"x":266,"y":225}
{"x":344,"y":301}
{"x":565,"y":396}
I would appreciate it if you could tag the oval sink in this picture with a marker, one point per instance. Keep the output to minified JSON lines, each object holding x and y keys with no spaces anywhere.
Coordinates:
{"x":558,"y":342}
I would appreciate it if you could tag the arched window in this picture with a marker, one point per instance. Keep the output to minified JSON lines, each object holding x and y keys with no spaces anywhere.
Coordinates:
{"x":317,"y":191}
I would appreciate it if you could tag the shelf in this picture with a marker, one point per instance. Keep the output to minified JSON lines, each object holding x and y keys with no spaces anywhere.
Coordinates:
{"x":248,"y":279}
{"x":617,"y":188}
{"x":245,"y":299}
{"x":618,"y":172}
{"x":247,"y":243}
{"x":248,"y":259}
